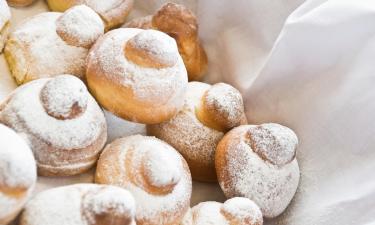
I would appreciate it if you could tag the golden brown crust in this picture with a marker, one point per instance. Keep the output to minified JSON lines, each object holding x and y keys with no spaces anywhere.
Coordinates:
{"x":20,"y":3}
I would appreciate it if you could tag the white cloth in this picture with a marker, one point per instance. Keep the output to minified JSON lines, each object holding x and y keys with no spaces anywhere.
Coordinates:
{"x":314,"y":72}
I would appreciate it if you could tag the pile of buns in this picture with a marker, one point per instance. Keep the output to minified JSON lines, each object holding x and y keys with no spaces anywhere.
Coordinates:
{"x":72,"y":63}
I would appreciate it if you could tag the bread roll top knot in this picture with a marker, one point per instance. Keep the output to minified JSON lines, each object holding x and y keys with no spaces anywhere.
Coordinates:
{"x":108,"y":205}
{"x":80,"y":26}
{"x":160,"y":171}
{"x":221,"y":108}
{"x":64,"y":97}
{"x":152,"y":49}
{"x":242,"y":211}
{"x":273,"y":142}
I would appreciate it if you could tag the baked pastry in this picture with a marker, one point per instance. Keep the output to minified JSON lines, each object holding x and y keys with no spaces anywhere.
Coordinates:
{"x":81,"y":204}
{"x":235,"y":211}
{"x":181,"y":24}
{"x":51,"y":44}
{"x":4,"y":23}
{"x":113,"y":12}
{"x":209,"y":111}
{"x":17,"y":174}
{"x":137,"y":75}
{"x":259,"y":162}
{"x":156,"y":175}
{"x":65,"y":127}
{"x":20,"y":3}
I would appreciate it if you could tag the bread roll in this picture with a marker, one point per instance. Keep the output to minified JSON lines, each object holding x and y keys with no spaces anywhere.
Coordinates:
{"x":65,"y":127}
{"x":17,"y":174}
{"x":81,"y":204}
{"x":51,"y":44}
{"x":154,"y":172}
{"x":259,"y":162}
{"x":137,"y":75}
{"x":209,"y":111}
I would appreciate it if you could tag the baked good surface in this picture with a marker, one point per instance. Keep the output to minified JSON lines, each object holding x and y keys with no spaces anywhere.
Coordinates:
{"x":154,"y":172}
{"x":20,"y":3}
{"x":259,"y":162}
{"x":235,"y":211}
{"x":63,"y":124}
{"x":113,"y":12}
{"x":181,"y":24}
{"x":137,"y":75}
{"x":51,"y":44}
{"x":4,"y":22}
{"x":208,"y":111}
{"x":81,"y":204}
{"x":17,"y":174}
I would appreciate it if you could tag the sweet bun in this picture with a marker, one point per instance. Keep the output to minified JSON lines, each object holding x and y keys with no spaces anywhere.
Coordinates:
{"x":112,"y":12}
{"x":235,"y":211}
{"x":17,"y":174}
{"x":181,"y":24}
{"x":259,"y":162}
{"x":209,"y":111}
{"x":81,"y":204}
{"x":4,"y":23}
{"x":65,"y":127}
{"x":137,"y":75}
{"x":20,"y":3}
{"x":154,"y":172}
{"x":51,"y":43}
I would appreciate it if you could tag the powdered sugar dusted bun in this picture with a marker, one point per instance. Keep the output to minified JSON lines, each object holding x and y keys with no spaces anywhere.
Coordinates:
{"x":50,"y":44}
{"x":4,"y":23}
{"x":195,"y":138}
{"x":181,"y":23}
{"x":20,"y":3}
{"x":137,"y":74}
{"x":65,"y":127}
{"x":17,"y":174}
{"x":235,"y":211}
{"x":113,"y":12}
{"x":154,"y":172}
{"x":81,"y":204}
{"x":258,"y":162}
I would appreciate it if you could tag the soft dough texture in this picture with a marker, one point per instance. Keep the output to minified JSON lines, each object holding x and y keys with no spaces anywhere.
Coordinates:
{"x":20,"y":3}
{"x":81,"y":204}
{"x":17,"y":174}
{"x":154,"y":172}
{"x":4,"y":23}
{"x":258,"y":162}
{"x":137,"y":74}
{"x":65,"y":127}
{"x":235,"y":211}
{"x":50,"y":44}
{"x":209,"y":111}
{"x":181,"y":24}
{"x":113,"y":12}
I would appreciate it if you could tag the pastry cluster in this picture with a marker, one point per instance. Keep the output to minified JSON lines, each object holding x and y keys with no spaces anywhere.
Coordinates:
{"x":72,"y":63}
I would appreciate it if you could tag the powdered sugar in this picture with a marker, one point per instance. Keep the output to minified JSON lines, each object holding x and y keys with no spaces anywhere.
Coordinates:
{"x":208,"y":213}
{"x":246,"y":174}
{"x":152,"y":208}
{"x":242,"y":211}
{"x":80,"y":26}
{"x":78,"y":205}
{"x":17,"y":172}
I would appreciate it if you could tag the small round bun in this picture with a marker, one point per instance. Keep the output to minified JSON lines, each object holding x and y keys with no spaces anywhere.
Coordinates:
{"x":235,"y":211}
{"x":20,"y":3}
{"x":137,"y":75}
{"x":259,"y":162}
{"x":81,"y":204}
{"x":181,"y":23}
{"x":50,"y":44}
{"x":209,"y":111}
{"x":17,"y":174}
{"x":154,"y":172}
{"x":4,"y":23}
{"x":65,"y":127}
{"x":113,"y":12}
